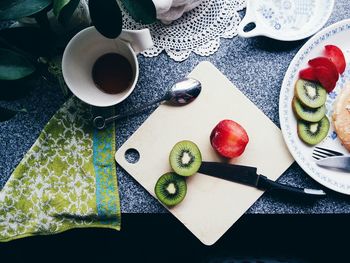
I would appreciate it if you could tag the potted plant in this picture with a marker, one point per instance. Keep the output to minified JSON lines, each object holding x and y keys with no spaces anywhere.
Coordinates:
{"x":32,"y":50}
{"x":29,"y":52}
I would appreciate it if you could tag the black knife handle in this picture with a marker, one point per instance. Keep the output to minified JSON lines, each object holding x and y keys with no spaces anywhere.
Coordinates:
{"x":266,"y":184}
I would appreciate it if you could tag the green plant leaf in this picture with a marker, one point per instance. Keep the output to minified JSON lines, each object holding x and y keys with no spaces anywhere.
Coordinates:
{"x":106,"y":17}
{"x":14,"y":65}
{"x":64,"y":9}
{"x":29,"y":39}
{"x":15,"y":9}
{"x":142,"y":11}
{"x":6,"y":114}
{"x":58,"y":5}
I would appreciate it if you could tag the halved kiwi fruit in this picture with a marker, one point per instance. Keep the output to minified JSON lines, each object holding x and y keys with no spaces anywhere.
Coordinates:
{"x":171,"y":189}
{"x":306,"y":113}
{"x":313,"y":132}
{"x":185,"y":158}
{"x":311,"y":94}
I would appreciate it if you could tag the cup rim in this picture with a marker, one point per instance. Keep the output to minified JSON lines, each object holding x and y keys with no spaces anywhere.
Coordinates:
{"x":76,"y":91}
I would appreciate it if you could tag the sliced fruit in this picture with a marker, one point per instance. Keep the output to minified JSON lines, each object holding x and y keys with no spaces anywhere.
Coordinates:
{"x":327,"y":63}
{"x":307,"y":74}
{"x":229,"y":139}
{"x":185,"y":158}
{"x":313,"y":133}
{"x":311,"y":94}
{"x":323,"y":76}
{"x":171,"y":189}
{"x":306,"y":113}
{"x":335,"y":54}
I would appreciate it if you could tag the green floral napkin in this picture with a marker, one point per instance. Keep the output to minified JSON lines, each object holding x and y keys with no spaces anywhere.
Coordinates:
{"x":66,"y":180}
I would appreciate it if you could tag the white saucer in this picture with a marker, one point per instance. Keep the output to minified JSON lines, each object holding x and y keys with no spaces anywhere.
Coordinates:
{"x":286,"y":20}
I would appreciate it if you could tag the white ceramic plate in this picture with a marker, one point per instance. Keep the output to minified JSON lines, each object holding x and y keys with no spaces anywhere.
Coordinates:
{"x":285,"y":20}
{"x":336,"y":34}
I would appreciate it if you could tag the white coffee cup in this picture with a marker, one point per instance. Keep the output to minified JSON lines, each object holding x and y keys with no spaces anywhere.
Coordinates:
{"x":86,"y":47}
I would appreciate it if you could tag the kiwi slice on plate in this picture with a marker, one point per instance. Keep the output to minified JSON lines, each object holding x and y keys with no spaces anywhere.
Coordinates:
{"x":313,"y":132}
{"x":185,"y":158}
{"x":311,"y":94}
{"x":306,"y":113}
{"x":171,"y":189}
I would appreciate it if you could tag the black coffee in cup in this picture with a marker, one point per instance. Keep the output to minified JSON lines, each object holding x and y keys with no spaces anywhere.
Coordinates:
{"x":112,"y":73}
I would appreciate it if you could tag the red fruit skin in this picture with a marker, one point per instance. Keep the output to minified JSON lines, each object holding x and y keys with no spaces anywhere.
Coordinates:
{"x":323,"y":76}
{"x":335,"y":54}
{"x":307,"y":74}
{"x":325,"y":62}
{"x":229,"y":139}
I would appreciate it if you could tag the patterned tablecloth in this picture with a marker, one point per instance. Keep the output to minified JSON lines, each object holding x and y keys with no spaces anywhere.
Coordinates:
{"x":256,"y":66}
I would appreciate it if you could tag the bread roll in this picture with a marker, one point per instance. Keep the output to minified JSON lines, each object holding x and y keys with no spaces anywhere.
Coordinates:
{"x":341,"y":116}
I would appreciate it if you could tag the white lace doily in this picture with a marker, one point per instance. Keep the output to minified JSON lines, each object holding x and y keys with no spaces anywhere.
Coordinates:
{"x":197,"y":31}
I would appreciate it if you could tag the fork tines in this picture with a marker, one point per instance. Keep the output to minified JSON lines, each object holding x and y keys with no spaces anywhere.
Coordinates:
{"x":320,"y":153}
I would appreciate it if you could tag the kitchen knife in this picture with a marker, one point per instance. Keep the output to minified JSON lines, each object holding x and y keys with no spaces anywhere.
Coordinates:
{"x":335,"y":162}
{"x":248,"y":175}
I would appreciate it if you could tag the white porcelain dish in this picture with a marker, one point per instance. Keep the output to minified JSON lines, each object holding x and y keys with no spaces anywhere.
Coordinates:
{"x":336,"y":34}
{"x":286,"y":20}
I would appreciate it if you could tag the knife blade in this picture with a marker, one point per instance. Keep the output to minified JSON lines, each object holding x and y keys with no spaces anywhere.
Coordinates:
{"x":248,"y":175}
{"x":336,"y":162}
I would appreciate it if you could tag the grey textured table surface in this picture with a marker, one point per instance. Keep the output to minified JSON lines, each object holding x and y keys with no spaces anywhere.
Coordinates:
{"x":256,"y":66}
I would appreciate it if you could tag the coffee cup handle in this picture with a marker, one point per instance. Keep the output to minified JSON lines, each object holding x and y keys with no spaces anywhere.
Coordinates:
{"x":140,"y":40}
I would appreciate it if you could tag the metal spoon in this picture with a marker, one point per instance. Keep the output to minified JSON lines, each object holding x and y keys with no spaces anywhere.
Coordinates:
{"x":181,"y":93}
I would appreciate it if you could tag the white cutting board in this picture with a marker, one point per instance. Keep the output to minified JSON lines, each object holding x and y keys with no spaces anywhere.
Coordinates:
{"x":211,"y":205}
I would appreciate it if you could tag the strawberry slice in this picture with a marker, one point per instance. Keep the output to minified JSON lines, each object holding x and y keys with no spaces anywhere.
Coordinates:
{"x":325,"y":62}
{"x":325,"y":77}
{"x":307,"y":74}
{"x":335,"y":54}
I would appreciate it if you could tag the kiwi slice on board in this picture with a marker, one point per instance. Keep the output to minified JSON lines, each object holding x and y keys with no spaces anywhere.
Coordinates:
{"x":311,"y":94}
{"x":171,"y":189}
{"x":185,"y":158}
{"x":306,"y":113}
{"x":313,"y":132}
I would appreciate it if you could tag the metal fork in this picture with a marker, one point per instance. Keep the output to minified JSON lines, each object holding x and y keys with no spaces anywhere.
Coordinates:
{"x":320,"y":153}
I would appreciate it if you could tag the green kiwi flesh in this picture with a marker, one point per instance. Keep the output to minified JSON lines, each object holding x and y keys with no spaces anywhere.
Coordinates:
{"x":306,"y":113}
{"x":311,"y":94}
{"x":171,"y":189}
{"x":313,"y":133}
{"x":185,"y":158}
